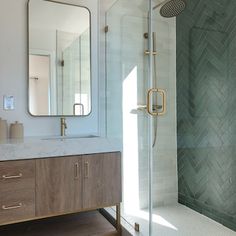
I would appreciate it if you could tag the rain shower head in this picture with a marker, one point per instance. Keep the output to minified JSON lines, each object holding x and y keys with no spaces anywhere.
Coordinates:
{"x":171,"y":8}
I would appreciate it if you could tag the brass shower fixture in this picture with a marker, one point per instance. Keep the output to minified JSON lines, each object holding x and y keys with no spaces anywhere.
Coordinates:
{"x":145,"y":35}
{"x":154,"y":53}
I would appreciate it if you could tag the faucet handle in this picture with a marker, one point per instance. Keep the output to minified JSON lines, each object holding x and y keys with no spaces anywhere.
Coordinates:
{"x":63,"y":126}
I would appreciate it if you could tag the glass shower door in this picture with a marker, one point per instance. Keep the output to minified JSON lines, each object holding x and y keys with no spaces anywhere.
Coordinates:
{"x":129,"y":78}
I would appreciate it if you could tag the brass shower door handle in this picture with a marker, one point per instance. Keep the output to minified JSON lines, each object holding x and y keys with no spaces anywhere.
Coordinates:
{"x":162,"y":92}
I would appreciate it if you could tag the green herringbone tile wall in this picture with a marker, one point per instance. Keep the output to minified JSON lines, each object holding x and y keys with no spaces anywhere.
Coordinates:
{"x":206,"y":108}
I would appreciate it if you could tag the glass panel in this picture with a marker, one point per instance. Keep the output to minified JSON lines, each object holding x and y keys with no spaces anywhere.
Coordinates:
{"x":193,"y":142}
{"x":164,"y":146}
{"x":127,"y":119}
{"x":60,"y":32}
{"x":205,"y":98}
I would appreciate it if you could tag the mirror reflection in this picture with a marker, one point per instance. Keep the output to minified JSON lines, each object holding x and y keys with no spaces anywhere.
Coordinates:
{"x":59,"y":59}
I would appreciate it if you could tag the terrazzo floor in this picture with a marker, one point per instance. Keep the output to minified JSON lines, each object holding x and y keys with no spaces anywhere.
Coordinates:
{"x":178,"y":220}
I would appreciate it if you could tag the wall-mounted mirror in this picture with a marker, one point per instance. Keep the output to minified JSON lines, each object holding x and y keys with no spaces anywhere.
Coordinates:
{"x":59,"y":63}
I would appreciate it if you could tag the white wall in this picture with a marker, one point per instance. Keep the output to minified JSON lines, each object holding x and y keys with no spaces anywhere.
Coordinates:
{"x":13,"y":71}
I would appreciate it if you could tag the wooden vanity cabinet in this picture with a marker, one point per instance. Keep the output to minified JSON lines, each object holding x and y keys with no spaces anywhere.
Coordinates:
{"x":40,"y":188}
{"x":71,"y":184}
{"x":58,"y":187}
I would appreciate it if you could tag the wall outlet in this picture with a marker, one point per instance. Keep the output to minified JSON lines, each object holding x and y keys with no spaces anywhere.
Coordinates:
{"x":8,"y":102}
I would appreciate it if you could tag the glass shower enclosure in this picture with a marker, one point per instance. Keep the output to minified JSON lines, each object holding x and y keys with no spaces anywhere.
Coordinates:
{"x":140,"y":91}
{"x":170,"y":94}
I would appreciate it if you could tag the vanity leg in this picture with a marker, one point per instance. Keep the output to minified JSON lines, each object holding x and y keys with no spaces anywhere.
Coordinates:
{"x":118,"y":218}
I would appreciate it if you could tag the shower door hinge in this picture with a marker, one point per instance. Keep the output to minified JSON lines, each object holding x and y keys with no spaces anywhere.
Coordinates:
{"x":106,"y":29}
{"x":62,"y":63}
{"x":136,"y":227}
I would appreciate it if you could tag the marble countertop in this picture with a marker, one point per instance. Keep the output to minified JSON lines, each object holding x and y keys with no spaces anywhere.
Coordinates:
{"x":39,"y":147}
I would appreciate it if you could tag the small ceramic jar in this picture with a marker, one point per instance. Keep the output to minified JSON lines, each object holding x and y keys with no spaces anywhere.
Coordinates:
{"x":16,"y":130}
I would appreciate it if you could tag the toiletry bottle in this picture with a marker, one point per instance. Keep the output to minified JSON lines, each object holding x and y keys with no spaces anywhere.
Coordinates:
{"x":3,"y":129}
{"x":16,"y":130}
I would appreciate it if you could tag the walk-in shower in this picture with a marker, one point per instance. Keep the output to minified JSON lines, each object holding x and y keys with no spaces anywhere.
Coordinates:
{"x":192,"y":145}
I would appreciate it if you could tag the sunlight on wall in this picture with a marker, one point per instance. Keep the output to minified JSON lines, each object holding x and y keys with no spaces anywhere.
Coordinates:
{"x":131,"y":202}
{"x":130,"y":144}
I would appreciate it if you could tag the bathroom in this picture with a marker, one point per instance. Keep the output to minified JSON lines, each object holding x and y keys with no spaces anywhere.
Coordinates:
{"x":159,"y":101}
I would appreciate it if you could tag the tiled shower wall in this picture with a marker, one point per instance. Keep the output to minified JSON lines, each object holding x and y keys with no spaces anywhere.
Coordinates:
{"x":206,"y":102}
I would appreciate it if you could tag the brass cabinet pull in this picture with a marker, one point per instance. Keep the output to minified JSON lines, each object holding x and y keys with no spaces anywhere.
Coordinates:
{"x":12,"y":176}
{"x":86,"y":170}
{"x":149,"y":107}
{"x":12,"y":207}
{"x":77,"y":170}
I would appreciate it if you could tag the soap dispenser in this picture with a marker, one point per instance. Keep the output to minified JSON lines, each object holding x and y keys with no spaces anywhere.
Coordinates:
{"x":16,"y":130}
{"x":3,"y":129}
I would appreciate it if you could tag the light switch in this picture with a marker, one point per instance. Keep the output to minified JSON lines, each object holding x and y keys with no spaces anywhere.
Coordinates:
{"x":8,"y":103}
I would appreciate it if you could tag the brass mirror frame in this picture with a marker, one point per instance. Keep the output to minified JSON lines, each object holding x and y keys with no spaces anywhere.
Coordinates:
{"x":28,"y":54}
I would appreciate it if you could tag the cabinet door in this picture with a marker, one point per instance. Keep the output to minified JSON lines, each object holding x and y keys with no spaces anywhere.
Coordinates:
{"x":58,"y":186}
{"x":101,"y":180}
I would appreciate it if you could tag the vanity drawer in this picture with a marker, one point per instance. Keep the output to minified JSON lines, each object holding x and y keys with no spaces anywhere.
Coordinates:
{"x":17,"y":205}
{"x":17,"y":174}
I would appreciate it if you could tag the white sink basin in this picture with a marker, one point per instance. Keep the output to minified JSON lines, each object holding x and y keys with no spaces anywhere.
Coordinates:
{"x":69,"y":137}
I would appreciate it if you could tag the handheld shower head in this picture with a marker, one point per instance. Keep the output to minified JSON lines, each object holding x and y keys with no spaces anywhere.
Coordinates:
{"x":171,"y":8}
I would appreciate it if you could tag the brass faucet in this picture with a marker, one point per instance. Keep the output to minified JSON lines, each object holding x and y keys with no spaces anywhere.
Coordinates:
{"x":63,"y":126}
